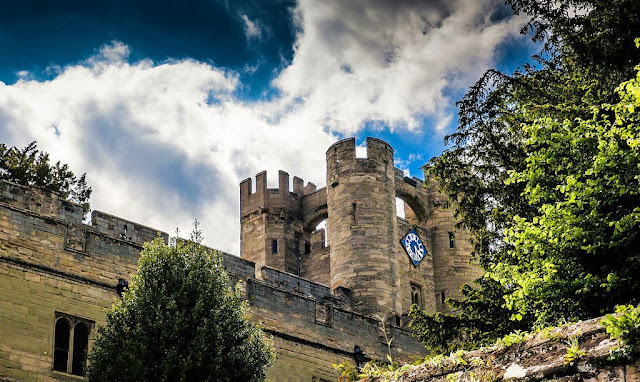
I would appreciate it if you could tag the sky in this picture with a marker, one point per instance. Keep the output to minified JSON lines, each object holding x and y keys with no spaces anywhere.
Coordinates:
{"x":168,"y":105}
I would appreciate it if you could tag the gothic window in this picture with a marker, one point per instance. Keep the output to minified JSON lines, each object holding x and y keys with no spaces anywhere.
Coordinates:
{"x":452,"y":240}
{"x":416,"y":295}
{"x":71,"y":343}
{"x":61,"y":346}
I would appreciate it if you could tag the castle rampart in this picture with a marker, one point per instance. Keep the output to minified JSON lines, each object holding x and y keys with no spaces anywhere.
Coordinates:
{"x":316,"y":300}
{"x":52,"y":264}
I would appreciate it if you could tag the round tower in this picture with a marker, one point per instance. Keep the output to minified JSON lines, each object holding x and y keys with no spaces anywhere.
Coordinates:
{"x":361,"y":225}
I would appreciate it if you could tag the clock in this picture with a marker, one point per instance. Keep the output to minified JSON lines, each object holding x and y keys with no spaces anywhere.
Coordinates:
{"x":414,"y":247}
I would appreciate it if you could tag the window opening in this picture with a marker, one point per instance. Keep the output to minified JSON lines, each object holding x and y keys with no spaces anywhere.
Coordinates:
{"x":274,"y":246}
{"x":297,"y":252}
{"x":61,"y":345}
{"x":80,"y":345}
{"x":442,"y":297}
{"x":354,"y":213}
{"x":323,"y":225}
{"x":416,"y":295}
{"x":400,"y":212}
{"x":452,"y":240}
{"x":71,"y":344}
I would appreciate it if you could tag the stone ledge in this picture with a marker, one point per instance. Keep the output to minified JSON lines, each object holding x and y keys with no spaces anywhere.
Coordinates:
{"x":538,"y":358}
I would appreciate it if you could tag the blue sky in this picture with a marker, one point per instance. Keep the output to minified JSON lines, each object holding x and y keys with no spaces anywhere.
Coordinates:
{"x":168,"y":105}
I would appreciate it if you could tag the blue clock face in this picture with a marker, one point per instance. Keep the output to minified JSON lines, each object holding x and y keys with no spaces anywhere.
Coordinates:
{"x":414,"y":247}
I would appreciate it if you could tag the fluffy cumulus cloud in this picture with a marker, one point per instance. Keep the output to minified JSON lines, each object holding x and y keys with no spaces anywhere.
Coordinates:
{"x":166,"y":142}
{"x":390,"y":60}
{"x":161,"y":143}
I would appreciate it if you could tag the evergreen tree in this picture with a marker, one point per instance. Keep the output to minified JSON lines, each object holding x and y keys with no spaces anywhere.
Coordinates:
{"x":31,"y":167}
{"x":179,"y":320}
{"x":509,"y":127}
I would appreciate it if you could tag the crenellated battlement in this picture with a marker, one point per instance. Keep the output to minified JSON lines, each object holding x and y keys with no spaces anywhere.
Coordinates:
{"x":124,"y":229}
{"x":341,"y":158}
{"x":363,"y":231}
{"x":265,"y":198}
{"x":413,"y":181}
{"x":344,"y":151}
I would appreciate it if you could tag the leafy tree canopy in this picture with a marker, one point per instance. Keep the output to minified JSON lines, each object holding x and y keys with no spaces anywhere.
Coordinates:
{"x":582,"y":246}
{"x":179,"y":320}
{"x":31,"y":167}
{"x":524,"y":142}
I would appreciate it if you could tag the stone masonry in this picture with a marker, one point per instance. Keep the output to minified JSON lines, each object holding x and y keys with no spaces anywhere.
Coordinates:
{"x":316,"y":301}
{"x":364,"y":258}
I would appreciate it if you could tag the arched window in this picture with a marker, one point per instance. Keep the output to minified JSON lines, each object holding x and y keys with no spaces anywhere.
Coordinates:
{"x":71,"y":344}
{"x":80,"y":345}
{"x":416,"y":295}
{"x":61,"y":344}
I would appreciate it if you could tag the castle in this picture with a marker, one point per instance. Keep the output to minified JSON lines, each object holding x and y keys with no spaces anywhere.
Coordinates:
{"x":319,"y":293}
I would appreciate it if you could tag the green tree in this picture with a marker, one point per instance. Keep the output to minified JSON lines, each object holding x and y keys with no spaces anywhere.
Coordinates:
{"x":582,"y":246}
{"x":587,"y":51}
{"x":481,"y":319}
{"x":31,"y":167}
{"x":179,"y":320}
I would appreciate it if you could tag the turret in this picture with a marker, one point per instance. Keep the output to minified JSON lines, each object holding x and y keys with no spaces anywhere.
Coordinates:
{"x":270,"y":222}
{"x":367,"y":258}
{"x":361,"y":225}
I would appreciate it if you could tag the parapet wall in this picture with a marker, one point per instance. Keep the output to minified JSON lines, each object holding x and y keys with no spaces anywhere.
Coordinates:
{"x":320,"y":322}
{"x":342,"y":160}
{"x":41,"y":202}
{"x":47,"y":232}
{"x":123,"y":229}
{"x":282,"y":197}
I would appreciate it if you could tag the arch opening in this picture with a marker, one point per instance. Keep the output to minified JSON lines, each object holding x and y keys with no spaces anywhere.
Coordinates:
{"x":321,"y":229}
{"x":410,"y":209}
{"x":400,"y":208}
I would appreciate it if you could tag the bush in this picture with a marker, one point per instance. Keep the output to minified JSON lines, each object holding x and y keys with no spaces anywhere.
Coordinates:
{"x":179,"y":321}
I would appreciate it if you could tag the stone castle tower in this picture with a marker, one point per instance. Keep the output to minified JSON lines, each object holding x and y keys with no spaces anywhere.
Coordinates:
{"x":365,"y":259}
{"x":58,"y":274}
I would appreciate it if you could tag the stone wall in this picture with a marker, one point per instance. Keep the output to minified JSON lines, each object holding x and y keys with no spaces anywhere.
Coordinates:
{"x":51,"y":264}
{"x":29,"y":300}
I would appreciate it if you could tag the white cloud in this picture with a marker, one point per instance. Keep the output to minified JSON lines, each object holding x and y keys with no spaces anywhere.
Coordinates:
{"x":251,"y":29}
{"x":389,"y":61}
{"x":155,"y":152}
{"x":164,"y":143}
